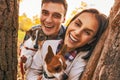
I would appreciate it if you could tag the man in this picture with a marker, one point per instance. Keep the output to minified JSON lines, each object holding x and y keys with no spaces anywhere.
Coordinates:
{"x":53,"y":14}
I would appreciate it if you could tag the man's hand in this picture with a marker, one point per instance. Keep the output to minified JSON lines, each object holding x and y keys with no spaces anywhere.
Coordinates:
{"x":23,"y":59}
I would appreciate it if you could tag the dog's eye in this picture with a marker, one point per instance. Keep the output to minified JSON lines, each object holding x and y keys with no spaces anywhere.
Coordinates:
{"x":57,"y":68}
{"x":41,"y":38}
{"x":33,"y":37}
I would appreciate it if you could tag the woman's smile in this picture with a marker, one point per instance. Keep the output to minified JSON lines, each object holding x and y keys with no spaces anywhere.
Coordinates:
{"x":72,"y":38}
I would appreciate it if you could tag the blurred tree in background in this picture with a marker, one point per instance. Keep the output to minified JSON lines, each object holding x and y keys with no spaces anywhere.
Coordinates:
{"x":8,"y":39}
{"x":83,"y":5}
{"x":26,"y":23}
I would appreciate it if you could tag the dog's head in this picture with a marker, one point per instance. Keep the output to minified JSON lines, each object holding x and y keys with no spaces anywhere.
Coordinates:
{"x":33,"y":40}
{"x":36,"y":35}
{"x":55,"y":64}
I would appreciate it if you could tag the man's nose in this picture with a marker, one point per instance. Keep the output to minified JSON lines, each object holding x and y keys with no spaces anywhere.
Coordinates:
{"x":49,"y":19}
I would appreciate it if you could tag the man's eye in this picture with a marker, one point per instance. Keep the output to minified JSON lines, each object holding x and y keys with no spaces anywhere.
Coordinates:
{"x":58,"y":16}
{"x":45,"y":13}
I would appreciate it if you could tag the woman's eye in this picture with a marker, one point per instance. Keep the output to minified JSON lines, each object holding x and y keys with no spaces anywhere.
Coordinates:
{"x":77,"y":24}
{"x":87,"y":32}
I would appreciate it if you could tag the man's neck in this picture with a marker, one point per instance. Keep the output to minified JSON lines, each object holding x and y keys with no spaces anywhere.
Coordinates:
{"x":52,"y":37}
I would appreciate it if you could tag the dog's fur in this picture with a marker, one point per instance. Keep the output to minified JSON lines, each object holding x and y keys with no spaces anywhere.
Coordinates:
{"x":55,"y":64}
{"x":34,"y":40}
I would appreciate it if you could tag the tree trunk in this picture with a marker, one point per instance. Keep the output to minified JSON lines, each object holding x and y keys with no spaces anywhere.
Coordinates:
{"x":8,"y":39}
{"x":104,"y":63}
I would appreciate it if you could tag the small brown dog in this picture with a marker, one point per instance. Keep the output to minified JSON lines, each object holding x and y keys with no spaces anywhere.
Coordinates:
{"x":55,"y":65}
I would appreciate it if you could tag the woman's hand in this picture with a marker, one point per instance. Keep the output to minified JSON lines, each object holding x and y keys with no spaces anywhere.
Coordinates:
{"x":39,"y":77}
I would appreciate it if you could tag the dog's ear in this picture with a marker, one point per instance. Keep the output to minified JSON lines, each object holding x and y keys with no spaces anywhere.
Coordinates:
{"x":63,"y":50}
{"x":64,"y":63}
{"x":31,"y":33}
{"x":49,"y":55}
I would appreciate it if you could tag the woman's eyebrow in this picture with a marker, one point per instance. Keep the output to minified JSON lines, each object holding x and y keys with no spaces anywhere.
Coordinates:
{"x":80,"y":21}
{"x":90,"y":30}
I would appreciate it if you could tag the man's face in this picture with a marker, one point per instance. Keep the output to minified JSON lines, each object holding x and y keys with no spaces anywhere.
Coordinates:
{"x":52,"y":15}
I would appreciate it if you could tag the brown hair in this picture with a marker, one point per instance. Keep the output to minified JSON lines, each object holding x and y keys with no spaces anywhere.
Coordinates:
{"x":64,"y":2}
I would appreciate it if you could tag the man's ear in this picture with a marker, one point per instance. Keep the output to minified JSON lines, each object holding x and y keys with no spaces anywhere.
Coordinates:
{"x":63,"y":20}
{"x":49,"y":55}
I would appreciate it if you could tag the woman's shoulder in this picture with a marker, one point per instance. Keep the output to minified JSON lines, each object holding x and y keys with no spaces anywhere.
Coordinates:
{"x":80,"y":56}
{"x":82,"y":53}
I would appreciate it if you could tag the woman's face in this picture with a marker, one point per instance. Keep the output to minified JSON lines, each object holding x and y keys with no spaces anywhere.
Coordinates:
{"x":81,"y":30}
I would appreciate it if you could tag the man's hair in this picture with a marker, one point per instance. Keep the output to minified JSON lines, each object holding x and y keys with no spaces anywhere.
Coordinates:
{"x":64,"y":2}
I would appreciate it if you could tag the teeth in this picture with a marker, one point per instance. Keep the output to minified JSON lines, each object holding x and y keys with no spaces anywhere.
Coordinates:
{"x":49,"y":26}
{"x":73,"y":38}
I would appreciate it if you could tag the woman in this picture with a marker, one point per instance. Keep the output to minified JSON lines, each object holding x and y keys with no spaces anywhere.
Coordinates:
{"x":82,"y":34}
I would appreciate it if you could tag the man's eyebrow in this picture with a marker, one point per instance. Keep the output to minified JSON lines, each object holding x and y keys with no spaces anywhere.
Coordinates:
{"x":44,"y":10}
{"x":57,"y":13}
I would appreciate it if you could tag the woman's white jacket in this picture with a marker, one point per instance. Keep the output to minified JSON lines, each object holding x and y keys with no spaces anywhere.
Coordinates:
{"x":73,"y":70}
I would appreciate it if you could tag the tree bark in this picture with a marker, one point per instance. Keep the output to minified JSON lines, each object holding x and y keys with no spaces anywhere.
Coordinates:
{"x":104,"y":63}
{"x":8,"y":39}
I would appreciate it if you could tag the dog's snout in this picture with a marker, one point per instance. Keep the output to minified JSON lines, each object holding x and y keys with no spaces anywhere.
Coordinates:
{"x":65,"y":76}
{"x":36,"y":46}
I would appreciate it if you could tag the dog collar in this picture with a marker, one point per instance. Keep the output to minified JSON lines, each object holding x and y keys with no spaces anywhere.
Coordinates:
{"x":47,"y":77}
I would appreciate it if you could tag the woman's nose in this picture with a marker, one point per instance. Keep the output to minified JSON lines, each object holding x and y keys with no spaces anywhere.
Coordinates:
{"x":78,"y":32}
